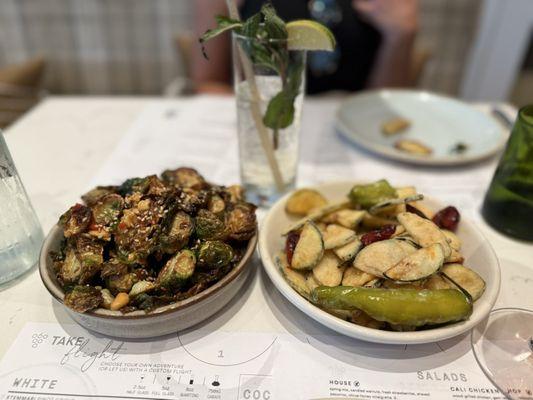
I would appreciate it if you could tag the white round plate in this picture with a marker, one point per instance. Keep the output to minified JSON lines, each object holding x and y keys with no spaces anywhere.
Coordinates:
{"x":477,"y":252}
{"x":437,"y":121}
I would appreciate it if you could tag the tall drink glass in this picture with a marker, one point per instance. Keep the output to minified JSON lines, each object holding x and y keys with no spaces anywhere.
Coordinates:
{"x":20,"y":232}
{"x":255,"y":85}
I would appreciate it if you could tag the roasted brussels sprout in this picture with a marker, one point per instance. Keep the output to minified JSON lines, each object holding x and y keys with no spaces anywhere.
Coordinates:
{"x":177,"y":270}
{"x":113,"y":268}
{"x":209,"y":226}
{"x":137,"y":232}
{"x":216,"y":204}
{"x":75,"y":220}
{"x":204,"y":278}
{"x":144,"y":301}
{"x":107,"y":298}
{"x":136,"y":246}
{"x":155,"y":186}
{"x":241,"y":222}
{"x":142,"y":273}
{"x":236,"y":193}
{"x":130,"y":186}
{"x":184,"y":178}
{"x":93,"y":196}
{"x":214,"y":254}
{"x":150,"y":185}
{"x":178,"y":233}
{"x":90,"y":254}
{"x":121,"y":283}
{"x":107,"y":210}
{"x":148,"y":302}
{"x":141,"y":287}
{"x":70,"y":269}
{"x":190,"y":201}
{"x":106,"y":214}
{"x":83,"y":298}
{"x":90,"y":250}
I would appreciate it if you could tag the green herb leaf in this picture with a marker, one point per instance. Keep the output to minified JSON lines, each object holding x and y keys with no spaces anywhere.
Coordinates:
{"x":251,"y":26}
{"x":274,"y":25}
{"x":280,"y":111}
{"x":268,"y":51}
{"x":261,"y":55}
{"x":224,"y":24}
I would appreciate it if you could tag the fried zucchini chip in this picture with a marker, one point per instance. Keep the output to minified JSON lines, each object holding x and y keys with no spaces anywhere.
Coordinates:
{"x":379,"y":257}
{"x":309,"y":248}
{"x":302,"y":201}
{"x":329,"y":270}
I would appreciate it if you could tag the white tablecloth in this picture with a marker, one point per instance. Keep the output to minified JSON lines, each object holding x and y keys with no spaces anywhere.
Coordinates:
{"x":67,"y":145}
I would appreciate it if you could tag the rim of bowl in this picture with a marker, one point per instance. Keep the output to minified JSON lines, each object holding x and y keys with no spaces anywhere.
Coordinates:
{"x":360,"y":332}
{"x":58,"y":293}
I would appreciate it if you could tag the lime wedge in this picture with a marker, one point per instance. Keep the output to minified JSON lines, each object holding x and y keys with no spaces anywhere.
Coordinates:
{"x":305,"y":34}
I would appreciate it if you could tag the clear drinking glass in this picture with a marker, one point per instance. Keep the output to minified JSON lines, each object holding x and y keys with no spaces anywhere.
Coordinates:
{"x":20,"y":232}
{"x":503,"y":347}
{"x":255,"y":85}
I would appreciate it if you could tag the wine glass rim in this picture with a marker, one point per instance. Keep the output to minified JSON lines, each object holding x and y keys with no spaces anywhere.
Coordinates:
{"x":487,"y":373}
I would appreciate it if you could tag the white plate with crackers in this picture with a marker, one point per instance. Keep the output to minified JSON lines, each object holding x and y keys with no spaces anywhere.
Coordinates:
{"x":419,"y":127}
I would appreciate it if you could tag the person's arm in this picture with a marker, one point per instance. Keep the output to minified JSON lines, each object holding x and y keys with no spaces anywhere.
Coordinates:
{"x":397,"y":20}
{"x":213,"y":75}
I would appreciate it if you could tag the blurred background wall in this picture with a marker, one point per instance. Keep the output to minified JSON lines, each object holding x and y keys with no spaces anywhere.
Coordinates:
{"x":96,"y":46}
{"x":128,"y":46}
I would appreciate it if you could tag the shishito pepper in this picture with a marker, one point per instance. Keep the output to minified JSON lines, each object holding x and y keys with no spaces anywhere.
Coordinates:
{"x":398,"y":306}
{"x":371,"y":194}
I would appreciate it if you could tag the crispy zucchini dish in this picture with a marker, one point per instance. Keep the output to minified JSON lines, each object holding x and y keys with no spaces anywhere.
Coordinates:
{"x":151,"y":241}
{"x":381,"y":259}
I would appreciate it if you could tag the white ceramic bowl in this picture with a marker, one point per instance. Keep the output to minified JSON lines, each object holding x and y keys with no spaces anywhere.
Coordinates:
{"x":161,"y":321}
{"x":477,"y":252}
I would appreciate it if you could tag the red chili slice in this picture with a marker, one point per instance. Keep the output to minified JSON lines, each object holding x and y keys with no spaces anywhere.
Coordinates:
{"x":385,"y":232}
{"x":290,"y":245}
{"x":447,"y":218}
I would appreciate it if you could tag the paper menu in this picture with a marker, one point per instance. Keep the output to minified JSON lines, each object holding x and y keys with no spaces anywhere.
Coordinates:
{"x":198,"y":132}
{"x":49,"y":361}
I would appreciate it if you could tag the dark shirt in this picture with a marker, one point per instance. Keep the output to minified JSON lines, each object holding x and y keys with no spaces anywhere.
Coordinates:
{"x":349,"y":66}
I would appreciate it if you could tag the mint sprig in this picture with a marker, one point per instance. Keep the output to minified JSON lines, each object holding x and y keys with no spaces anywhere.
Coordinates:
{"x":269,"y":51}
{"x":224,"y":24}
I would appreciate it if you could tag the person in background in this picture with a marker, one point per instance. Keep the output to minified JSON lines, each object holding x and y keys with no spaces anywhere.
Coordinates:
{"x":375,"y":40}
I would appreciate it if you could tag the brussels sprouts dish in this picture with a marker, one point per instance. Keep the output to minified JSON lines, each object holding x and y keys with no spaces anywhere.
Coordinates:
{"x":151,"y":241}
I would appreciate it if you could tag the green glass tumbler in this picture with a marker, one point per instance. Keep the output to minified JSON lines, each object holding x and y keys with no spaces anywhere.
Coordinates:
{"x":508,"y":205}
